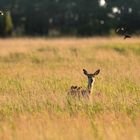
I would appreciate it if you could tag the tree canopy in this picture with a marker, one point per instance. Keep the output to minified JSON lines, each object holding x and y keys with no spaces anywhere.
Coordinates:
{"x":69,"y":17}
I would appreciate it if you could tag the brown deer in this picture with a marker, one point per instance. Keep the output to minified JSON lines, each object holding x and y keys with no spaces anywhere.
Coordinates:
{"x":79,"y":92}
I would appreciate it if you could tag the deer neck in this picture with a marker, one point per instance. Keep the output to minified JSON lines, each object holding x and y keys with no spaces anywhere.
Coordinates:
{"x":90,"y":84}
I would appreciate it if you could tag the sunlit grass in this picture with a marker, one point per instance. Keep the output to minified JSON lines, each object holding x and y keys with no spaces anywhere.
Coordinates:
{"x":35,"y":75}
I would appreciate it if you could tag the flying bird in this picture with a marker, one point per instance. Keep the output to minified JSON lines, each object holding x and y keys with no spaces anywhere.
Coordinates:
{"x":127,"y":36}
{"x":123,"y":31}
{"x":119,"y":29}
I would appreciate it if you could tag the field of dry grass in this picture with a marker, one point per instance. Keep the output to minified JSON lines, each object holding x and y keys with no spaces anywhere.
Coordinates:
{"x":35,"y":75}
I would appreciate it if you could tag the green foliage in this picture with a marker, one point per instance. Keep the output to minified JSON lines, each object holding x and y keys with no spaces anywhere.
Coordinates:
{"x":75,"y":17}
{"x":13,"y":58}
{"x":37,"y":59}
{"x":8,"y":23}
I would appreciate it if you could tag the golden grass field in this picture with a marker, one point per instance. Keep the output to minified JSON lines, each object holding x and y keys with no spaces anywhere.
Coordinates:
{"x":36,"y":73}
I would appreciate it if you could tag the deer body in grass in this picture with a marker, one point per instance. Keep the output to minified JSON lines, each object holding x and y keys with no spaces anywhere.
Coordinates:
{"x":80,"y":92}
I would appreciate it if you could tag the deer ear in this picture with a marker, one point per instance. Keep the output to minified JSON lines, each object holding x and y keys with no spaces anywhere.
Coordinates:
{"x":85,"y":72}
{"x":96,"y":72}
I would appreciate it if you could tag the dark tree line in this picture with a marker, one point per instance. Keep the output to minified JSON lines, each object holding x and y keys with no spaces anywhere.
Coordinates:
{"x":68,"y":17}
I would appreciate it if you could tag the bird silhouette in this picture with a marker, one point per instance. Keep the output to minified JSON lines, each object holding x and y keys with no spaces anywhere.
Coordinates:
{"x":123,"y":31}
{"x":127,"y":36}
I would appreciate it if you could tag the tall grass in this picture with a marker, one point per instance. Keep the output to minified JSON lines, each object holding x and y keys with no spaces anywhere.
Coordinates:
{"x":35,"y":75}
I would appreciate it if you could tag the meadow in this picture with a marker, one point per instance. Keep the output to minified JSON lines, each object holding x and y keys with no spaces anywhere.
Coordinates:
{"x":36,"y":73}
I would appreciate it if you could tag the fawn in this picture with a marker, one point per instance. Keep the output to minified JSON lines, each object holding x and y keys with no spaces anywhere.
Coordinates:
{"x":79,"y":92}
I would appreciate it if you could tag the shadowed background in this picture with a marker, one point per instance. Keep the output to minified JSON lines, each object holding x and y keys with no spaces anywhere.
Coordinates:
{"x":68,"y":17}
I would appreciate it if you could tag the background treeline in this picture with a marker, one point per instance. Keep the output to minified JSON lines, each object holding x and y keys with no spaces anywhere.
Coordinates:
{"x":68,"y":17}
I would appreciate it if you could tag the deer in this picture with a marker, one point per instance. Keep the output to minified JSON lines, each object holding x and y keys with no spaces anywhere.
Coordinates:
{"x":79,"y":92}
